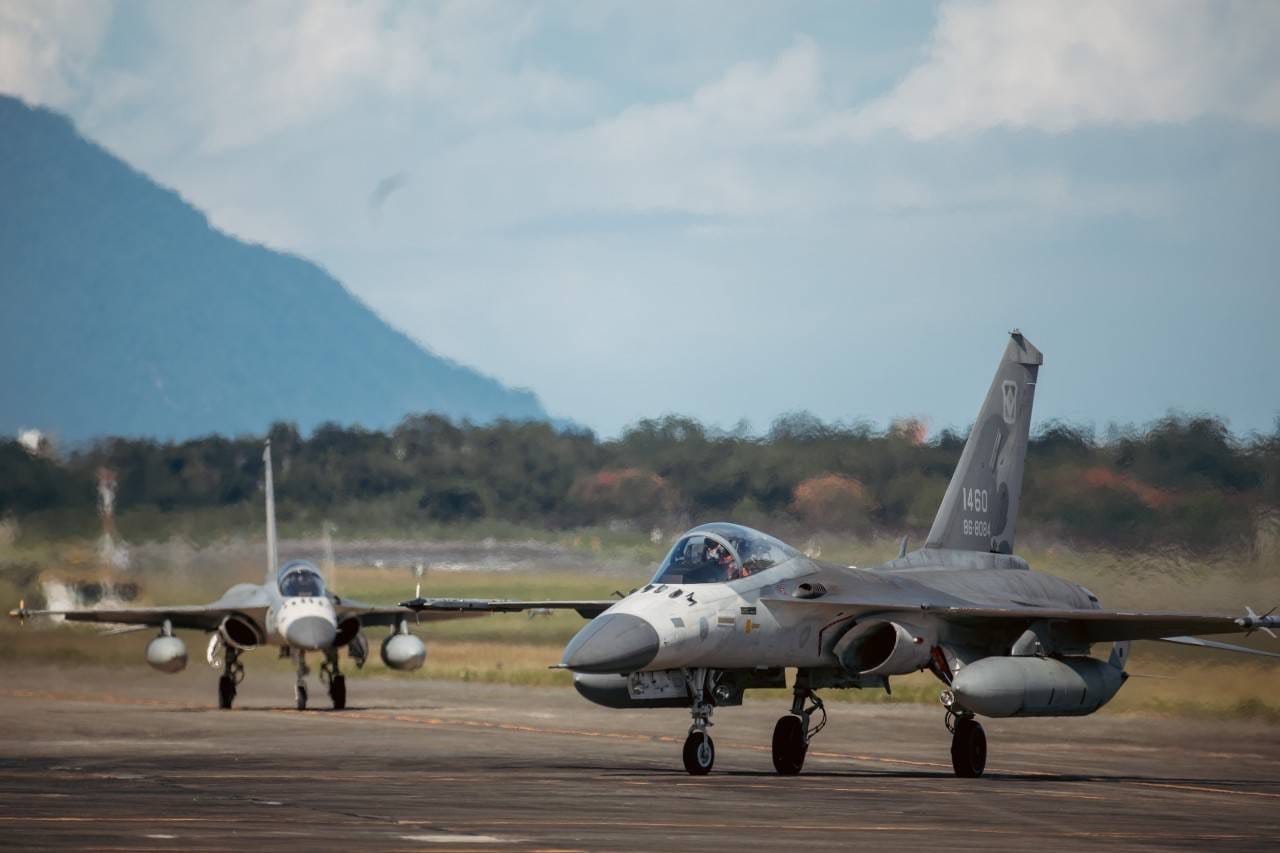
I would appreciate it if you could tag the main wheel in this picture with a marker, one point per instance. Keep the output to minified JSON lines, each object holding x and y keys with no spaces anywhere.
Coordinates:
{"x":338,"y":692}
{"x":226,"y":691}
{"x":789,"y":745}
{"x":969,"y":748}
{"x":699,"y":753}
{"x":300,"y":694}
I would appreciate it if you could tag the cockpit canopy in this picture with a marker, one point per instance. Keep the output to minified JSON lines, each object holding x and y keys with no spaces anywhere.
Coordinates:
{"x":300,"y":578}
{"x":719,"y":553}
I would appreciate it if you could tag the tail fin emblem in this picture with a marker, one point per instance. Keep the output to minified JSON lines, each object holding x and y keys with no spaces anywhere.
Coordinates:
{"x":1010,"y":401}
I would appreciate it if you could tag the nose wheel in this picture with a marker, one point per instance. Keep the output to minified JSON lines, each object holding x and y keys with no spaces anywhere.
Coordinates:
{"x":300,"y":686}
{"x":699,"y":753}
{"x":699,"y":749}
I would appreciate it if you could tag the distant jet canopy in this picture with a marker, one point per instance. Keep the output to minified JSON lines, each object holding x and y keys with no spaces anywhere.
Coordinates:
{"x":300,"y":578}
{"x":719,"y":553}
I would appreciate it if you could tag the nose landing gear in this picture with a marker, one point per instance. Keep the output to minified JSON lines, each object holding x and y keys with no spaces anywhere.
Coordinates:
{"x":300,"y":686}
{"x":699,"y":749}
{"x":792,"y":733}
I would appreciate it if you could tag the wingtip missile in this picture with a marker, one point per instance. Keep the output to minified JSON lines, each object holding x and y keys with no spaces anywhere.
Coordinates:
{"x":1251,"y":622}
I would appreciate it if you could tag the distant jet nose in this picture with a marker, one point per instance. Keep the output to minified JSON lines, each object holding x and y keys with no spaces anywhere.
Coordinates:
{"x":310,"y":633}
{"x":613,"y":642}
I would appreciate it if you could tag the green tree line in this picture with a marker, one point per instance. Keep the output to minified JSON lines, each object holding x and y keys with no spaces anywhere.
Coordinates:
{"x":1182,"y":481}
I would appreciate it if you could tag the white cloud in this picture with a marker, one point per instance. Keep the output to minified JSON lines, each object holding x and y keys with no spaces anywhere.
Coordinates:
{"x":47,"y":45}
{"x":1060,"y":66}
{"x":700,"y":154}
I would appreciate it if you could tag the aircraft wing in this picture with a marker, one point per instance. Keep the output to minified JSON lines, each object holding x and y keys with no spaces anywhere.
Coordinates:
{"x":372,"y":614}
{"x":1101,"y":626}
{"x":1093,"y":626}
{"x":195,"y":617}
{"x":586,"y":609}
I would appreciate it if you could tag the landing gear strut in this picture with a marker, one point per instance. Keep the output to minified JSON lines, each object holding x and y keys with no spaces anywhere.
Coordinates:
{"x":232,"y":675}
{"x":330,"y":675}
{"x":792,"y":733}
{"x":968,"y":745}
{"x":699,"y":749}
{"x":300,"y":686}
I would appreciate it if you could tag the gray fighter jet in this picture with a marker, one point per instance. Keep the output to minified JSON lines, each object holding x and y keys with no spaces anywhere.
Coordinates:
{"x":731,"y":608}
{"x":292,"y":610}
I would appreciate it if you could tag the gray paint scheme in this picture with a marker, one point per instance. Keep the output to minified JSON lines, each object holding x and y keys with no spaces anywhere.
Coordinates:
{"x":317,"y":621}
{"x":1005,"y":639}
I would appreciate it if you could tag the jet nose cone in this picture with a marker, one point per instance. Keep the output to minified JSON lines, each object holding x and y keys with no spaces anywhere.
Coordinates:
{"x":310,"y":633}
{"x":613,"y":642}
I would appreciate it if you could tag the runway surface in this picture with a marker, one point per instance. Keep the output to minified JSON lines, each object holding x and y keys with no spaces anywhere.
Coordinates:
{"x":106,"y":759}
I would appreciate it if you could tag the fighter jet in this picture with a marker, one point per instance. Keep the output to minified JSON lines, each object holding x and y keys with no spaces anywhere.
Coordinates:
{"x":291,"y":610}
{"x":731,"y":609}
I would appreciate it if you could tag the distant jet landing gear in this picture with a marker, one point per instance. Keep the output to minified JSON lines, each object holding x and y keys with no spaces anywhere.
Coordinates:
{"x":699,"y":749}
{"x":968,"y":745}
{"x":330,"y":675}
{"x":791,"y":734}
{"x":232,"y":675}
{"x":300,"y":686}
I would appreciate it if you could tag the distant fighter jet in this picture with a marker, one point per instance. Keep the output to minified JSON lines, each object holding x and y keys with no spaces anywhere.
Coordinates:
{"x":730,"y":608}
{"x":291,"y":610}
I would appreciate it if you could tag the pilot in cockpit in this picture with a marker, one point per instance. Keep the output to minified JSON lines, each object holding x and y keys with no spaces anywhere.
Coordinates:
{"x":720,"y":556}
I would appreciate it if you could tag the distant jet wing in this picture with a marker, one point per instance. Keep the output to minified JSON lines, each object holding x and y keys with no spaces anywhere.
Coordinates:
{"x":373,"y":614}
{"x":585,"y":609}
{"x":195,"y":617}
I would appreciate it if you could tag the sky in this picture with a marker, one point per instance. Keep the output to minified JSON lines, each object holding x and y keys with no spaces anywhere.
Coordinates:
{"x":733,"y":210}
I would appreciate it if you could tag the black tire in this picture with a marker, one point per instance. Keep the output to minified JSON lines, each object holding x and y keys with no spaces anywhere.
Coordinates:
{"x":338,"y":692}
{"x":226,"y":691}
{"x":789,"y":746}
{"x":968,"y":749}
{"x":300,"y":694}
{"x":699,"y":753}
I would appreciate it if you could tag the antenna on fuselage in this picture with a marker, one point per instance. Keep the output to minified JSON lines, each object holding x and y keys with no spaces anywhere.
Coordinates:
{"x":272,"y":557}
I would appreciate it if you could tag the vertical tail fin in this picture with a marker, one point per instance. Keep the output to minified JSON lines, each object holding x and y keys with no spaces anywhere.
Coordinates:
{"x":272,"y":557}
{"x":980,"y":509}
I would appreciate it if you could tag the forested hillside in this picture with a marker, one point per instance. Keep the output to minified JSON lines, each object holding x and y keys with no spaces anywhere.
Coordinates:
{"x":1183,"y":482}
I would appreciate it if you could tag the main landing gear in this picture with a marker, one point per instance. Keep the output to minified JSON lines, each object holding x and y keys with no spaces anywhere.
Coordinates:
{"x":792,"y":733}
{"x":232,"y":675}
{"x":699,"y":749}
{"x":337,"y":682}
{"x":300,"y":685}
{"x":968,"y":744}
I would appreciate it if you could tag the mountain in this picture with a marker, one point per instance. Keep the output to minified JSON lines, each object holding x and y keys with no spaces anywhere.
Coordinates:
{"x":126,"y":313}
